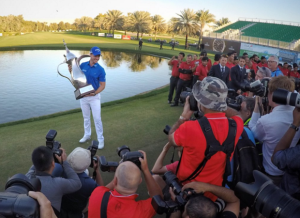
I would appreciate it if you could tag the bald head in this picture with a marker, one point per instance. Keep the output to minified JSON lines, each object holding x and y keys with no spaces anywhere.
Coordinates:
{"x":128,"y":176}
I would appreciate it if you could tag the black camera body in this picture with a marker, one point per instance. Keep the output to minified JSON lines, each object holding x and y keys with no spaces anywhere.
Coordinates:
{"x":15,"y":201}
{"x":125,"y":154}
{"x":260,"y":88}
{"x":234,"y":101}
{"x":169,"y":206}
{"x":93,"y":149}
{"x":53,"y":145}
{"x":192,"y":100}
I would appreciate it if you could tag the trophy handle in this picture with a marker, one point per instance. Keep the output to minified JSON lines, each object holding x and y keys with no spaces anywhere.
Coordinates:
{"x":63,"y":75}
{"x":79,"y":59}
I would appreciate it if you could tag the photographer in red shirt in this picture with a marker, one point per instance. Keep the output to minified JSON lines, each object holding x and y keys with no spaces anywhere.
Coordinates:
{"x":185,"y":78}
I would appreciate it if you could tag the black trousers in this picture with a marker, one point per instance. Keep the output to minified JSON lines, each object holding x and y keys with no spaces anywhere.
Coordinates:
{"x":182,"y":84}
{"x":173,"y":85}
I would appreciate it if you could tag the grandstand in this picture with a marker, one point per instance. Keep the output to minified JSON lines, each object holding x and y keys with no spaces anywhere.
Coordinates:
{"x":273,"y":31}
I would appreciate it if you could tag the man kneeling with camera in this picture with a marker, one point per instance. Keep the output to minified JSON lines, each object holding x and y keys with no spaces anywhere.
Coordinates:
{"x":117,"y":199}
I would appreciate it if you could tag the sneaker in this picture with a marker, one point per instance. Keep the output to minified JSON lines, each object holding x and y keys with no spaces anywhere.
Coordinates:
{"x":84,"y":139}
{"x":169,"y":102}
{"x":101,"y":144}
{"x":174,"y":104}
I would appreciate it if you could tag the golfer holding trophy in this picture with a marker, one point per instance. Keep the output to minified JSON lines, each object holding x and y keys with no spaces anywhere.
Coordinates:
{"x":89,"y":80}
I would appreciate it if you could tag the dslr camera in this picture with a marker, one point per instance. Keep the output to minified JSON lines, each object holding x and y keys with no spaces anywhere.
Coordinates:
{"x":192,"y":100}
{"x":283,"y":96}
{"x":93,"y":149}
{"x":161,"y":206}
{"x":53,"y":145}
{"x":125,"y":154}
{"x":233,"y":100}
{"x":15,"y":201}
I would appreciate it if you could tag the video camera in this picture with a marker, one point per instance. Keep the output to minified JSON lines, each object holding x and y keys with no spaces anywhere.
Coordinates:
{"x":15,"y":201}
{"x":266,"y":198}
{"x":93,"y":149}
{"x":53,"y":145}
{"x":192,"y":100}
{"x":283,"y":96}
{"x":125,"y":154}
{"x":169,"y":206}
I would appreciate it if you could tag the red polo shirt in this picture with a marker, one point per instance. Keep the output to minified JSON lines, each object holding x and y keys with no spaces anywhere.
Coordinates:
{"x":186,"y":66}
{"x":294,"y":74}
{"x":190,"y":136}
{"x":201,"y":72}
{"x":230,"y":65}
{"x":216,"y":63}
{"x":209,"y":64}
{"x":285,"y":71}
{"x":252,"y":68}
{"x":263,"y":65}
{"x":119,"y":206}
{"x":175,"y":68}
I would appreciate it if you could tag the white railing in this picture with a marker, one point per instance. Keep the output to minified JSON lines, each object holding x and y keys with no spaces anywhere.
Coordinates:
{"x":291,"y":23}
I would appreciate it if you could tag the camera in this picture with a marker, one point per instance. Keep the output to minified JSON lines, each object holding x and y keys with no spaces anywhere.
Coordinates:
{"x":192,"y":100}
{"x":125,"y":154}
{"x":283,"y":96}
{"x":233,"y":100}
{"x":266,"y":198}
{"x":260,"y":88}
{"x":93,"y":149}
{"x":15,"y":201}
{"x":169,"y":206}
{"x":53,"y":145}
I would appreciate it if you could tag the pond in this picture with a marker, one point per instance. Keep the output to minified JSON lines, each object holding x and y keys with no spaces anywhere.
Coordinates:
{"x":30,"y":85}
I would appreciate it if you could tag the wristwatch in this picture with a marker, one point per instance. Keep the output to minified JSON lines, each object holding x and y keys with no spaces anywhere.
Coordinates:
{"x":294,"y":127}
{"x":182,"y":118}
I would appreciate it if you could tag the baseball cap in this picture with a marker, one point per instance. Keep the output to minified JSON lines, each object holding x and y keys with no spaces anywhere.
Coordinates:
{"x":79,"y":159}
{"x":211,"y":93}
{"x":95,"y":51}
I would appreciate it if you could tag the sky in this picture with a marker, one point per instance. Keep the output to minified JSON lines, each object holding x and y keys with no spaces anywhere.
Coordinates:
{"x":68,"y":10}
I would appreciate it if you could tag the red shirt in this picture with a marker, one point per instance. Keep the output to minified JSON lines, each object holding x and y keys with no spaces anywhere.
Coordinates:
{"x":209,"y":64}
{"x":252,"y":68}
{"x":186,"y":66}
{"x":263,"y":65}
{"x":190,"y":136}
{"x":230,"y":65}
{"x":172,"y":167}
{"x":201,"y":72}
{"x":294,"y":74}
{"x":175,"y":68}
{"x":119,"y":206}
{"x":285,"y":71}
{"x":216,"y":63}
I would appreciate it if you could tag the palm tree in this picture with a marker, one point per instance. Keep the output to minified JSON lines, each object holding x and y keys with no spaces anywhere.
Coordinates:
{"x":140,"y":22}
{"x":222,"y":21}
{"x":114,"y":20}
{"x":203,"y":17}
{"x":85,"y":23}
{"x":158,"y":24}
{"x":98,"y":21}
{"x":185,"y":23}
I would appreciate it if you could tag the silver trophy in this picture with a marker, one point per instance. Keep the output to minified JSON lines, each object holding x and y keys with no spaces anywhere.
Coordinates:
{"x":78,"y":78}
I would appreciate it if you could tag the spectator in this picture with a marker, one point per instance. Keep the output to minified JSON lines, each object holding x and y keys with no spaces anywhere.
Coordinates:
{"x":263,"y":62}
{"x":185,"y":78}
{"x":175,"y":63}
{"x":201,"y":70}
{"x":211,"y":96}
{"x":53,"y":187}
{"x":262,"y":73}
{"x":256,"y":59}
{"x":246,"y":110}
{"x":238,"y":74}
{"x":268,"y":128}
{"x":200,"y":206}
{"x":173,"y":45}
{"x":287,"y":159}
{"x":249,"y":65}
{"x":230,"y":62}
{"x":221,"y":71}
{"x":285,"y":69}
{"x":195,"y":58}
{"x":236,"y":60}
{"x":204,"y":54}
{"x":122,"y":190}
{"x":273,"y":66}
{"x":140,"y":44}
{"x":250,"y":76}
{"x":294,"y":73}
{"x":73,"y":204}
{"x":161,"y":44}
{"x":245,"y":54}
{"x":217,"y":59}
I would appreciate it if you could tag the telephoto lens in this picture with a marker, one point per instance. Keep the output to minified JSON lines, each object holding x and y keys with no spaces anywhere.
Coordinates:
{"x":283,"y":96}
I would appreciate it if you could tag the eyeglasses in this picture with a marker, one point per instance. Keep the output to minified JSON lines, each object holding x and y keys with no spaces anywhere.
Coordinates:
{"x":271,"y":61}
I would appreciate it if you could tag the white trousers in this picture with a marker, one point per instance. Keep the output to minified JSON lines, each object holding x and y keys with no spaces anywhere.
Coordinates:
{"x":92,"y":103}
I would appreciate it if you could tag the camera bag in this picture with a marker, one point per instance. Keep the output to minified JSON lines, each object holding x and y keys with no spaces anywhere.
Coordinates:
{"x":213,"y":146}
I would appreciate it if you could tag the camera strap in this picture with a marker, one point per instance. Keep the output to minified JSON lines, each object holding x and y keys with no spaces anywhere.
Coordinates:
{"x":213,"y":146}
{"x":104,"y":203}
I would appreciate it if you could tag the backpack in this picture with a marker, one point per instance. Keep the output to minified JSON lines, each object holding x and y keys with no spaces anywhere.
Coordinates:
{"x":213,"y":146}
{"x":245,"y":160}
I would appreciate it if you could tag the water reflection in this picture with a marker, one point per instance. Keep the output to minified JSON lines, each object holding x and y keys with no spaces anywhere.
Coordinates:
{"x":136,"y":62}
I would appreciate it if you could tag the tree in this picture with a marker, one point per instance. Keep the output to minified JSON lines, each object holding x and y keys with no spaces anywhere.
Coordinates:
{"x":139,"y":22}
{"x":185,"y":23}
{"x":203,"y":17}
{"x":85,"y":23}
{"x":114,"y":20}
{"x":61,"y":25}
{"x":68,"y":26}
{"x":158,"y":24}
{"x":222,"y":21}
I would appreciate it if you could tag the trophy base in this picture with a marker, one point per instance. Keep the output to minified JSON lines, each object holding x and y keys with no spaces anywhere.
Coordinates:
{"x":83,"y":91}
